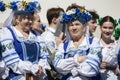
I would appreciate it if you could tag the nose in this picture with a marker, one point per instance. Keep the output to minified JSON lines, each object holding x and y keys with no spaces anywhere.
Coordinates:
{"x":30,"y":21}
{"x":95,"y":24}
{"x":107,"y":29}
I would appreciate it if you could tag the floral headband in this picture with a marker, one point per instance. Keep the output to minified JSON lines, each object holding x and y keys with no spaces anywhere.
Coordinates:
{"x":100,"y":21}
{"x":117,"y":32}
{"x":21,"y":5}
{"x":119,"y":21}
{"x":76,"y":14}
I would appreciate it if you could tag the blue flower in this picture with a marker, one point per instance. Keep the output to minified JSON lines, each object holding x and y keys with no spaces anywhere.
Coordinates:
{"x":43,"y":27}
{"x":119,"y":21}
{"x":14,"y":5}
{"x":31,"y":7}
{"x":2,"y":6}
{"x":67,"y":18}
{"x":76,"y":14}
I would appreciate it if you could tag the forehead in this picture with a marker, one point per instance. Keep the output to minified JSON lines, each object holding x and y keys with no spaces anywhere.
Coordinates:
{"x":36,"y":15}
{"x":107,"y":24}
{"x":93,"y":21}
{"x":74,"y":22}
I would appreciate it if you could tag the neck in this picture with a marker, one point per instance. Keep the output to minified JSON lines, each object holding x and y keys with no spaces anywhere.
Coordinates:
{"x":78,"y":41}
{"x":53,"y":26}
{"x":107,"y":41}
{"x":22,"y":31}
{"x":90,"y":34}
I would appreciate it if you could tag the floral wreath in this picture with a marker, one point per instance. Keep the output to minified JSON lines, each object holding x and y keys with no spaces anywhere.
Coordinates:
{"x":21,"y":5}
{"x":76,"y":14}
{"x":117,"y":32}
{"x":100,"y":20}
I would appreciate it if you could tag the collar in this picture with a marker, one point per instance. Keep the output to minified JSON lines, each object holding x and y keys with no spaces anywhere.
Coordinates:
{"x":20,"y":37}
{"x":51,"y":30}
{"x":84,"y":45}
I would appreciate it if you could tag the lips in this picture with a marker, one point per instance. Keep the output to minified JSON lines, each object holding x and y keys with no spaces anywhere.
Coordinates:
{"x":74,"y":31}
{"x":107,"y":34}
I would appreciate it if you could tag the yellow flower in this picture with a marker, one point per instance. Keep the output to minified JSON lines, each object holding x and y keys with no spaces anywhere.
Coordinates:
{"x":25,"y":3}
{"x":8,"y":5}
{"x":82,"y":10}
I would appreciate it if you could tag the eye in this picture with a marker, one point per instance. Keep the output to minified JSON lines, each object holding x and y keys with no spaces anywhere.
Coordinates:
{"x":111,"y":27}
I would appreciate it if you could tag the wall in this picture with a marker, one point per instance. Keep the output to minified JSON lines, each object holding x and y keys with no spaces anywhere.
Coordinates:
{"x":103,"y":7}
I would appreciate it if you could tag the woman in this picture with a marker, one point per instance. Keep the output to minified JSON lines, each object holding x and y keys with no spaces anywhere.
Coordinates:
{"x":76,"y":59}
{"x":109,"y":66}
{"x":37,"y":26}
{"x":21,"y":50}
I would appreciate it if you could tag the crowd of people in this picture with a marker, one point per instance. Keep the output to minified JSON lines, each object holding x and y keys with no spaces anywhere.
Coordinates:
{"x":31,"y":51}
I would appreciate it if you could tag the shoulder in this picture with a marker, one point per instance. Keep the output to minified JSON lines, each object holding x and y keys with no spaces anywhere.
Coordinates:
{"x":46,"y":34}
{"x":95,"y":42}
{"x":5,"y":34}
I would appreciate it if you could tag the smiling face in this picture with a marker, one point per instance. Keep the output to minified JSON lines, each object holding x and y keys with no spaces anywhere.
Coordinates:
{"x":107,"y":29}
{"x":76,"y":29}
{"x":24,"y":23}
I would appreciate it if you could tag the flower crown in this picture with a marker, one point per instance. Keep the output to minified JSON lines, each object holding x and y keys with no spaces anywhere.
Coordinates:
{"x":100,"y":21}
{"x":117,"y":32}
{"x":21,"y":5}
{"x":76,"y":14}
{"x":119,"y":21}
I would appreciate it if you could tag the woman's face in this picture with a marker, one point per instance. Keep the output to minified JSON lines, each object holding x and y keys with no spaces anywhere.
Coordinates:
{"x":76,"y":29}
{"x":25,"y":23}
{"x":37,"y":23}
{"x":107,"y":29}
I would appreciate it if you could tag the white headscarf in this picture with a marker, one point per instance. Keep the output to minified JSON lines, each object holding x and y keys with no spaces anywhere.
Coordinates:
{"x":8,"y":21}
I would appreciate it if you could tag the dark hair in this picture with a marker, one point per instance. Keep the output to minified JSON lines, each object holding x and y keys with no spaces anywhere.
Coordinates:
{"x":53,"y":13}
{"x":74,"y":5}
{"x":22,"y":15}
{"x":94,"y":14}
{"x":107,"y":19}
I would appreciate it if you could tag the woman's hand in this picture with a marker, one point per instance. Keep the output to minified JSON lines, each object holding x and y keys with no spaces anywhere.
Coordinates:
{"x":103,"y":65}
{"x":40,"y":71}
{"x":81,"y":59}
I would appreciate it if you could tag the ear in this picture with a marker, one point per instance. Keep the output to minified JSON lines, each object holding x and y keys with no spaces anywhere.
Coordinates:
{"x":54,"y":20}
{"x":17,"y":21}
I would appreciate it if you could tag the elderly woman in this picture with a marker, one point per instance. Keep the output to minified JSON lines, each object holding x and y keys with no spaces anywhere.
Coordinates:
{"x":22,"y":52}
{"x":76,"y":59}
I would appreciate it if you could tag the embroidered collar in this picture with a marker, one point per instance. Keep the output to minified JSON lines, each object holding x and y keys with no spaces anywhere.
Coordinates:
{"x":20,"y":37}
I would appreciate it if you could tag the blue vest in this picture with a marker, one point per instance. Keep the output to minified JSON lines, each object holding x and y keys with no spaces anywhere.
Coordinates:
{"x":27,"y":51}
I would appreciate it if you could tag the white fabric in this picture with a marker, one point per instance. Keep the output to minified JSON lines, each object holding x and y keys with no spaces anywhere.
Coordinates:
{"x":4,"y":71}
{"x":50,"y":38}
{"x":70,"y":65}
{"x":109,"y":55}
{"x":8,"y":21}
{"x":19,"y":66}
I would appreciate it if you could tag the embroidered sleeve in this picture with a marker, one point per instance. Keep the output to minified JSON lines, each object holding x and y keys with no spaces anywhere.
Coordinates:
{"x":63,"y":65}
